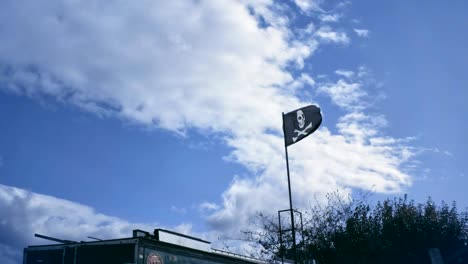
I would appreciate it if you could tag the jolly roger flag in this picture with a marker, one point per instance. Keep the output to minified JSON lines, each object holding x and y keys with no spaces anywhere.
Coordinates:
{"x":300,"y":123}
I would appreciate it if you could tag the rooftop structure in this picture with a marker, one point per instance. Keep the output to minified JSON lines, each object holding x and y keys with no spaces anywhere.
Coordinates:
{"x":161,"y":247}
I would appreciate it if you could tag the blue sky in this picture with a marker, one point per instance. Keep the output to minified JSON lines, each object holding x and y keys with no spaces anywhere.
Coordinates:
{"x":157,"y":114}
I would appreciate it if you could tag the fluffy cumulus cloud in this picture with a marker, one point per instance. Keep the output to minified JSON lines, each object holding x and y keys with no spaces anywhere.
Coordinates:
{"x":219,"y":66}
{"x":358,"y":156}
{"x":174,"y":65}
{"x":344,"y":94}
{"x":24,"y":213}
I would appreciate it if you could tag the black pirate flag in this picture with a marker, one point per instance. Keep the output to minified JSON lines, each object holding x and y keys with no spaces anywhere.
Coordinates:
{"x":300,"y":123}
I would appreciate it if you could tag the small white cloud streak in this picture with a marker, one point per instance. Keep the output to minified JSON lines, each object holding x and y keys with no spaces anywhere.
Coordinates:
{"x":327,"y":34}
{"x":362,"y":32}
{"x":345,"y":73}
{"x":204,"y":65}
{"x":207,"y":206}
{"x":329,"y":17}
{"x":309,"y":5}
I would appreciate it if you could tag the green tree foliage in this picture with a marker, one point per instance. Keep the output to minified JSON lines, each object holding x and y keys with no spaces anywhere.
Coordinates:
{"x":353,"y":231}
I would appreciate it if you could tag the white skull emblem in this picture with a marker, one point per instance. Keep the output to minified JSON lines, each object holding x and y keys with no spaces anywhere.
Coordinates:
{"x":300,"y":118}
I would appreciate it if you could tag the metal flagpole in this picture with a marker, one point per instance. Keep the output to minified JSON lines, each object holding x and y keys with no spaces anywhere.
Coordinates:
{"x":290,"y":199}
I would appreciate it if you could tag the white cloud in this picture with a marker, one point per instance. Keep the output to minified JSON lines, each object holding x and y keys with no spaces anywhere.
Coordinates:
{"x":345,"y":73}
{"x":327,"y":34}
{"x":304,"y":80}
{"x":204,"y":65}
{"x":348,"y":95}
{"x":362,"y":32}
{"x":363,"y":72}
{"x":321,"y":164}
{"x":207,"y":206}
{"x":23,"y":213}
{"x":330,"y":17}
{"x":309,"y":5}
{"x":140,"y":62}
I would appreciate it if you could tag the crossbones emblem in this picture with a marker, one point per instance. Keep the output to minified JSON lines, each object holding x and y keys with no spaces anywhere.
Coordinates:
{"x":302,"y":132}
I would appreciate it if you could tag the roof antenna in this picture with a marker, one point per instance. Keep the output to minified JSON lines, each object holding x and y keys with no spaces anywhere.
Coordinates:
{"x":95,"y":238}
{"x":63,"y":241}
